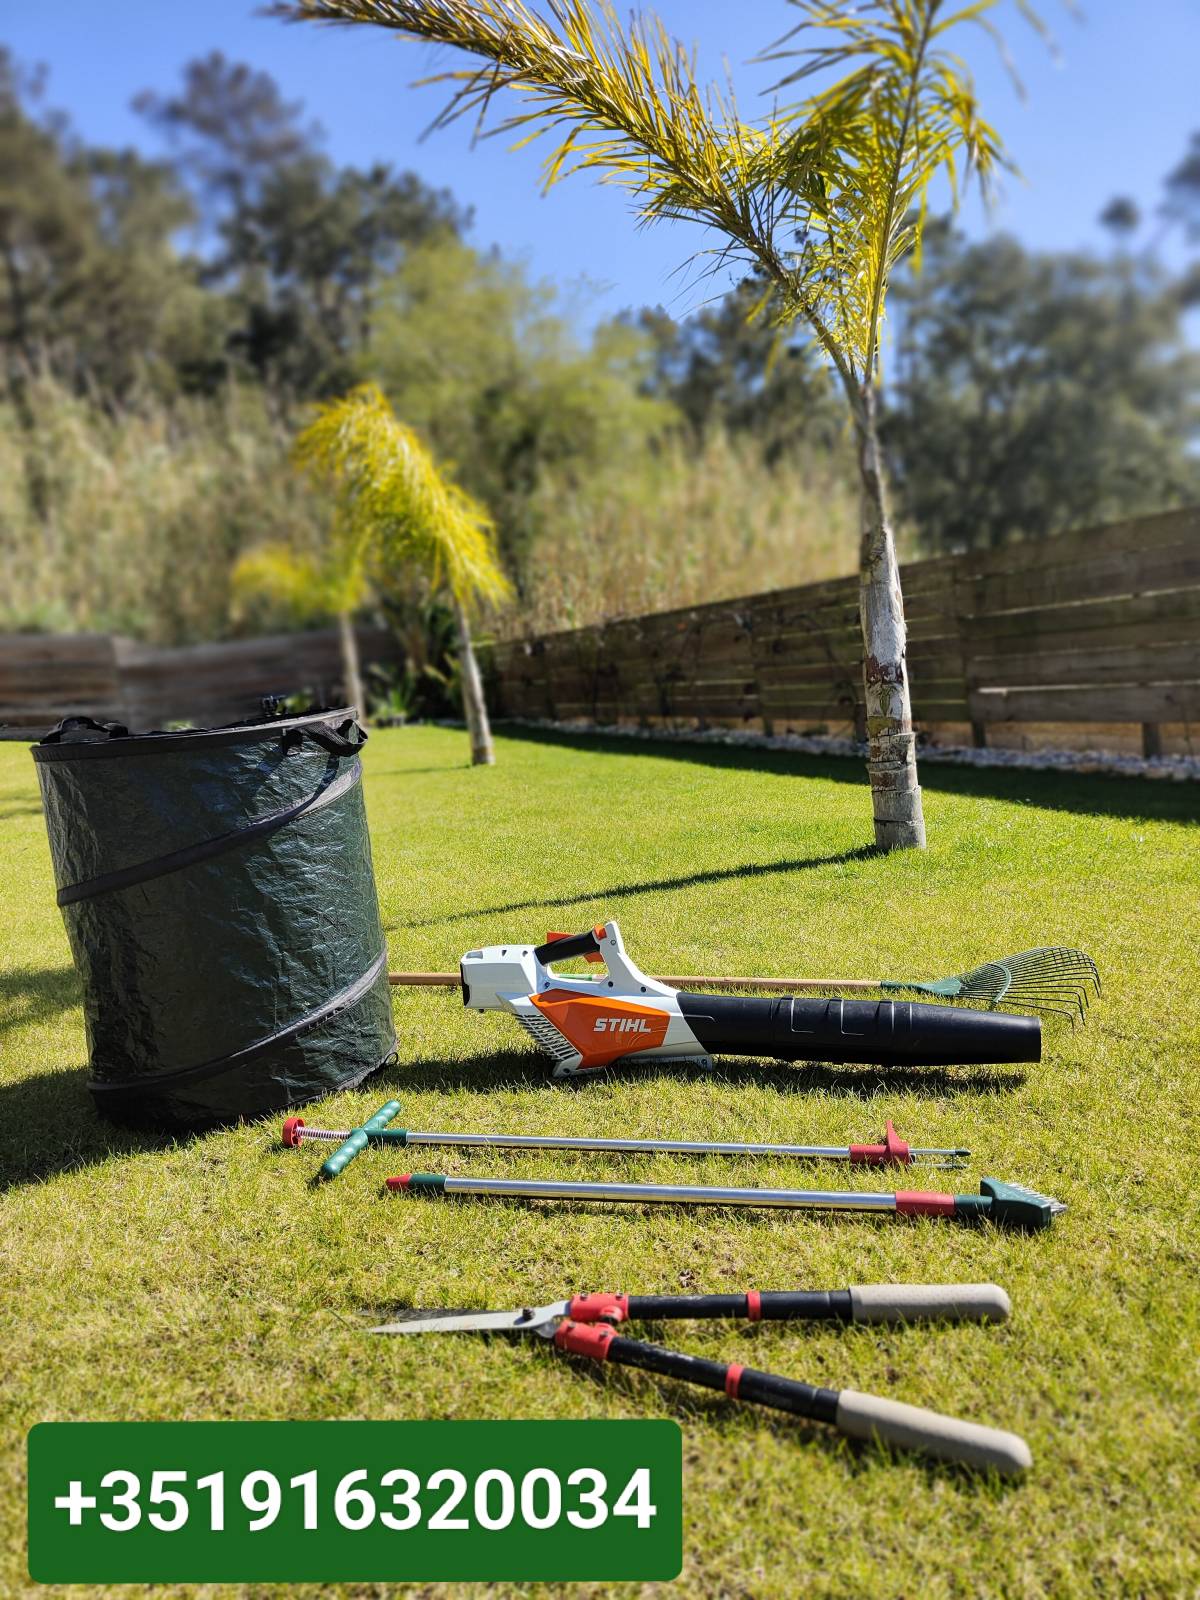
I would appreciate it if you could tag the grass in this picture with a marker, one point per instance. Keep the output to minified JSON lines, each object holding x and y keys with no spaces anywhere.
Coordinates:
{"x":204,"y":1279}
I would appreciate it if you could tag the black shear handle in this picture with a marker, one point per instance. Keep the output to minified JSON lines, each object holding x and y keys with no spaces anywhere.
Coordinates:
{"x":856,"y":1415}
{"x":739,"y":1383}
{"x":816,"y":1305}
{"x":860,"y":1416}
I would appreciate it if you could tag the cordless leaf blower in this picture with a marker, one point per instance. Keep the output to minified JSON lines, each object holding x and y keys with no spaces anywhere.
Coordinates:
{"x":587,"y":1023}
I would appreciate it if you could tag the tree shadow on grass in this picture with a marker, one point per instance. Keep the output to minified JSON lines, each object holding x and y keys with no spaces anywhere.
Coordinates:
{"x":520,"y":1069}
{"x":20,"y":808}
{"x":687,"y":880}
{"x":1091,"y":794}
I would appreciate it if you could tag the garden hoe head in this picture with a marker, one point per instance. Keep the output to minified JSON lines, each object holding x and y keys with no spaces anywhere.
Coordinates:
{"x":587,"y":1023}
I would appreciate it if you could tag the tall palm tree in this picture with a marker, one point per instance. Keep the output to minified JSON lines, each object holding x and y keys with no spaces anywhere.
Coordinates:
{"x":394,"y":510}
{"x":824,"y":197}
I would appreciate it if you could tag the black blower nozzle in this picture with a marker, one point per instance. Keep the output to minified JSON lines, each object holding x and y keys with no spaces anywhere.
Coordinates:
{"x":882,"y":1032}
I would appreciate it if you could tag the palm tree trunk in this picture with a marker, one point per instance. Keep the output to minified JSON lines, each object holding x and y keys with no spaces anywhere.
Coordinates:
{"x":352,"y":685}
{"x":483,"y":753}
{"x":892,"y":758}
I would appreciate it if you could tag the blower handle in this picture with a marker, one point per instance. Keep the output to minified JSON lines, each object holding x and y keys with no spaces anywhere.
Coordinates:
{"x":570,"y":946}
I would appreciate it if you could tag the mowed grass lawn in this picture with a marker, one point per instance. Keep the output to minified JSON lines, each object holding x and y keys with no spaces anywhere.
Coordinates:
{"x":205,"y":1279}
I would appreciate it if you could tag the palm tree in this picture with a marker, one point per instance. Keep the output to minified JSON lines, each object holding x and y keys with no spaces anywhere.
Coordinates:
{"x":393,"y":509}
{"x":823,"y":198}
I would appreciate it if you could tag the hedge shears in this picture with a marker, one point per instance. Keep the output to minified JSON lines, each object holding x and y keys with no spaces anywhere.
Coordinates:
{"x":585,"y":1326}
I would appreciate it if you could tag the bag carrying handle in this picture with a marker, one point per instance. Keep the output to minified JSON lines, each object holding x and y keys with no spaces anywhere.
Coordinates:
{"x":110,"y":730}
{"x":336,"y":740}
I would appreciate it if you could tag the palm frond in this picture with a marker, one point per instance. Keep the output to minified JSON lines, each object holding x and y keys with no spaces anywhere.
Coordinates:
{"x":395,"y":506}
{"x":298,"y":583}
{"x":824,"y":198}
{"x":901,"y":109}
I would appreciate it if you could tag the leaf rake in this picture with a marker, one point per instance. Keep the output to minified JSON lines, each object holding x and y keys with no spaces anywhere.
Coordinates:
{"x":1051,"y":978}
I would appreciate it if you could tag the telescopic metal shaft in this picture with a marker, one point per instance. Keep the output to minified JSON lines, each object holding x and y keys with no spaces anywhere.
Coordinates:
{"x":890,"y":1149}
{"x":1007,"y":1205}
{"x":683,"y":1193}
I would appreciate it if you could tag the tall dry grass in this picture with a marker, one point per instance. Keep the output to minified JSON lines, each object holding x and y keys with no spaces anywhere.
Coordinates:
{"x":146,"y":512}
{"x":686,"y":524}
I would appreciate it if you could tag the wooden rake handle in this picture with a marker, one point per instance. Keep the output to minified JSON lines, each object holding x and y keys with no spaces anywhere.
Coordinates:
{"x":451,"y":980}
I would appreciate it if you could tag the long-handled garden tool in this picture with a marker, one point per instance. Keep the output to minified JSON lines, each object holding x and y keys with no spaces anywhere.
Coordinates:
{"x":585,"y":1023}
{"x":1007,"y":1205}
{"x":583,"y":1327}
{"x":1050,"y":978}
{"x":892,"y":1149}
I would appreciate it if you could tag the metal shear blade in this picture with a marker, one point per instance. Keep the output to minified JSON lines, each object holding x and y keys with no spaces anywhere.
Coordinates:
{"x":527,"y":1320}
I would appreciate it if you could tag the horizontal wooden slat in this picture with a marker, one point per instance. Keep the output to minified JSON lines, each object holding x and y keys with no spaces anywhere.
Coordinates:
{"x":1111,"y":575}
{"x":1120,"y":703}
{"x":1144,"y":663}
{"x":1129,"y":621}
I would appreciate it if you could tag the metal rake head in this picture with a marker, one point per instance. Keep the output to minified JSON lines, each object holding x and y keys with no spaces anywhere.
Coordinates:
{"x":1050,"y":978}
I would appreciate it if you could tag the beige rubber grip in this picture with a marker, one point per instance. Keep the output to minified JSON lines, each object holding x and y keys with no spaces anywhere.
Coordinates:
{"x":866,"y":1416}
{"x":930,"y":1302}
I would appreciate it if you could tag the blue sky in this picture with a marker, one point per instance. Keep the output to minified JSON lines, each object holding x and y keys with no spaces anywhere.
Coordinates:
{"x":1111,"y":115}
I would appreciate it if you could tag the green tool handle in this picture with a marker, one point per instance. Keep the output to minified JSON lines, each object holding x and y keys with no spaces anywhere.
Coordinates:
{"x":358,"y":1141}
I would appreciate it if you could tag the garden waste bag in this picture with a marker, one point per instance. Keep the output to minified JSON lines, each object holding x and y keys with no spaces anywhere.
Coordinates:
{"x":218,"y":894}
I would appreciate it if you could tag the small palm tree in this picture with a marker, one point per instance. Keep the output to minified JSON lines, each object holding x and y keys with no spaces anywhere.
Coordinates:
{"x":394,"y":510}
{"x":824,"y":198}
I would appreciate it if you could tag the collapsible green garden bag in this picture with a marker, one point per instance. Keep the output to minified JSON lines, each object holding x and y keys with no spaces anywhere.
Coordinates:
{"x":218,"y":894}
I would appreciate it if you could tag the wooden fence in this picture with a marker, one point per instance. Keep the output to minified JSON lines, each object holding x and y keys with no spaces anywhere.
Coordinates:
{"x":1101,"y":626}
{"x":45,"y":676}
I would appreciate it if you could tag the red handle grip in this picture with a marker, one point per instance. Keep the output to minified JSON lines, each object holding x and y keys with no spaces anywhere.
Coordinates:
{"x":591,"y":1340}
{"x":599,"y":1308}
{"x":893,"y":1148}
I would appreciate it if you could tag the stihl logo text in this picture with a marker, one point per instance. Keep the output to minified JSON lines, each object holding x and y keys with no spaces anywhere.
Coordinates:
{"x":622,"y":1025}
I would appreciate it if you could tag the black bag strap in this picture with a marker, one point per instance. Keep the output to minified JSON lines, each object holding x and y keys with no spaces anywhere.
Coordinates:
{"x":334,"y":784}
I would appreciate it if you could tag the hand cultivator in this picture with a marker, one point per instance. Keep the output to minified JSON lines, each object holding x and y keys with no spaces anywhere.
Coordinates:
{"x":1007,"y":1205}
{"x":1051,"y":978}
{"x":892,"y":1149}
{"x":587,"y":1023}
{"x":583,"y":1327}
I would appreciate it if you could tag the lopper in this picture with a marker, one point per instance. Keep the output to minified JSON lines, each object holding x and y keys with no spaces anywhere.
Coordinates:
{"x":891,"y":1149}
{"x":1007,"y":1205}
{"x":583,"y":1326}
{"x":587,"y":1023}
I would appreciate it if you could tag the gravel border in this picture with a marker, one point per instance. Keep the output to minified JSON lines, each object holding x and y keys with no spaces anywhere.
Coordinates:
{"x":1169,"y":769}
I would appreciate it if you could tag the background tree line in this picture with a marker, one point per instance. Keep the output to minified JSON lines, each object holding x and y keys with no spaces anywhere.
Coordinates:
{"x":167,"y":319}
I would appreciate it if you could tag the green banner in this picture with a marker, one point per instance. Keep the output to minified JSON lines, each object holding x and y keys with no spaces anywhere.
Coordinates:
{"x":324,"y":1502}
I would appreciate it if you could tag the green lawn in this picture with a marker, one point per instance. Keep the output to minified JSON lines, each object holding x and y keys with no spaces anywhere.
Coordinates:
{"x":206,"y":1280}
